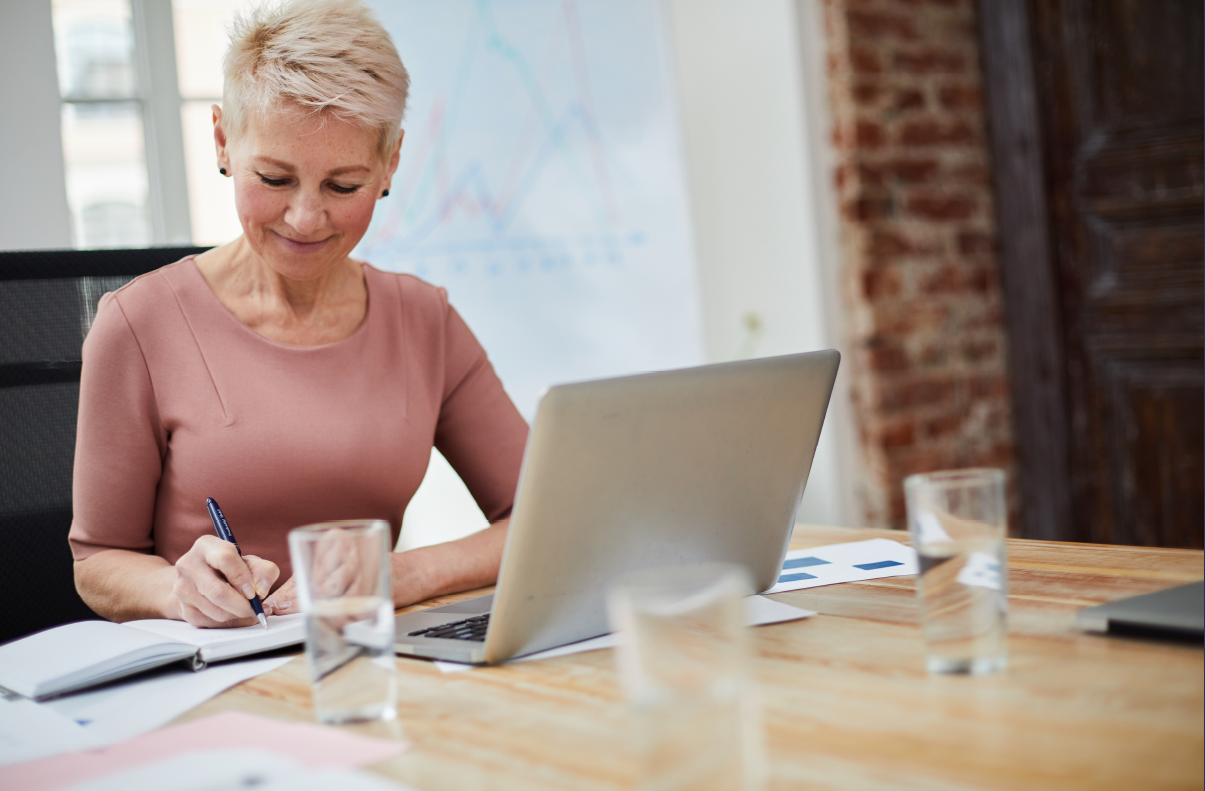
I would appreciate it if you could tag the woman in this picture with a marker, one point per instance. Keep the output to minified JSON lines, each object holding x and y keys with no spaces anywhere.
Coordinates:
{"x":276,"y":374}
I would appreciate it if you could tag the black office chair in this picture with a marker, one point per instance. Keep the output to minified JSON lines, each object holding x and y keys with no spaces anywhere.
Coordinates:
{"x":47,"y":302}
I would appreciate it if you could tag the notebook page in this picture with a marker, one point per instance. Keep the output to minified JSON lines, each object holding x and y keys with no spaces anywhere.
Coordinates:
{"x":217,"y":644}
{"x":79,"y":653}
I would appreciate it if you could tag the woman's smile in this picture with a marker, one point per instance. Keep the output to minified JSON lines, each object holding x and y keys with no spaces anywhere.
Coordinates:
{"x":295,"y":246}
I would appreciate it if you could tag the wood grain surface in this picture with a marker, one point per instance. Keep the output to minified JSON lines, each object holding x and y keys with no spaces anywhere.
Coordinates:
{"x":846,"y":701}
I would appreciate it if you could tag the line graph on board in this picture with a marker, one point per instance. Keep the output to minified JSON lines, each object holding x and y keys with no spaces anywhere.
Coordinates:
{"x":540,"y":183}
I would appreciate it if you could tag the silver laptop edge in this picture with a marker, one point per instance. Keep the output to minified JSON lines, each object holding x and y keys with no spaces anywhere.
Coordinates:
{"x":678,"y":467}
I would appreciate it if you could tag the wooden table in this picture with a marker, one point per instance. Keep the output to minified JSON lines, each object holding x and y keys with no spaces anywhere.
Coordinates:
{"x":847,"y":702}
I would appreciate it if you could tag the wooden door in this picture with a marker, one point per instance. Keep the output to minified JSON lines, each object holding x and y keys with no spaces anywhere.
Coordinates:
{"x":1098,"y":147}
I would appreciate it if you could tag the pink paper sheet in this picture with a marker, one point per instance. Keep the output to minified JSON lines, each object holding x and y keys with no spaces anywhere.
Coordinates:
{"x":314,"y":746}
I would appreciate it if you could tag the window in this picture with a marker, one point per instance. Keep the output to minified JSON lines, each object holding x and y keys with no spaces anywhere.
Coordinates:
{"x":122,"y":151}
{"x":104,"y":151}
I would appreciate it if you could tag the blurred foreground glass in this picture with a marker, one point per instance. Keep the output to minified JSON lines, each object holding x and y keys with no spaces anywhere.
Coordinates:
{"x":344,"y":586}
{"x":682,"y":658}
{"x":958,"y":521}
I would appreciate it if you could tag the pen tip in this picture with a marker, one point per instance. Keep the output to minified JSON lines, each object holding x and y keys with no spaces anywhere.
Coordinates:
{"x":262,"y":620}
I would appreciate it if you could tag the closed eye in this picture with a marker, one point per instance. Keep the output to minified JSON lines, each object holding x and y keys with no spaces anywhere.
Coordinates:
{"x":273,"y":182}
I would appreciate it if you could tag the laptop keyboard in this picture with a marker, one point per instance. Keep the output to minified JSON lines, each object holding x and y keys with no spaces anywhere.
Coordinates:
{"x":469,"y":629}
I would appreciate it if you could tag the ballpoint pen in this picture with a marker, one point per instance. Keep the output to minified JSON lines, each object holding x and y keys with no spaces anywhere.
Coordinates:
{"x":224,"y":533}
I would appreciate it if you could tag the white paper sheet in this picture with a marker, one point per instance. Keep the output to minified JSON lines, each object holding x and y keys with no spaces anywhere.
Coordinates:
{"x":29,"y":730}
{"x":113,"y":713}
{"x":236,"y":770}
{"x":856,"y":561}
{"x":119,"y":711}
{"x":759,"y":611}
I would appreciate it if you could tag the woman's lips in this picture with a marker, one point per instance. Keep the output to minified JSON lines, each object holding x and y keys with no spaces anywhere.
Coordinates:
{"x":300,"y":247}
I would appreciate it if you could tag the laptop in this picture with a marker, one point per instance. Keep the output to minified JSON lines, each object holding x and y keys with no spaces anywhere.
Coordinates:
{"x":682,"y":467}
{"x":1174,"y":612}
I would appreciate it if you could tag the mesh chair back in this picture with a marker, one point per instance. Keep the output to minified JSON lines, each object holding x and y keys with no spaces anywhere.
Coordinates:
{"x":47,"y":302}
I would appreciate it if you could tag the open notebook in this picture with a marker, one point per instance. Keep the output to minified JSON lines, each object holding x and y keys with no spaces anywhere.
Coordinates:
{"x":87,"y":653}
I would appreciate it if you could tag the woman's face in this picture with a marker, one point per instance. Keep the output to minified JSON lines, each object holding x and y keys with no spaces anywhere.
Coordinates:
{"x":305,"y":186}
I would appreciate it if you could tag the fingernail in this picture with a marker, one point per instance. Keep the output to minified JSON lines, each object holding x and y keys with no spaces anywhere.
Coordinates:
{"x":284,"y":605}
{"x":262,"y":587}
{"x":247,"y":590}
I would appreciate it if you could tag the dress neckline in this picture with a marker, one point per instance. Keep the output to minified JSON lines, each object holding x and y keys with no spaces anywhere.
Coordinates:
{"x":195,"y":272}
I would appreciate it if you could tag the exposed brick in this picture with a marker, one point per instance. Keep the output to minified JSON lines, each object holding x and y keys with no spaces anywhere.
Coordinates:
{"x":928,"y":379}
{"x":885,"y":356}
{"x":960,"y":97}
{"x":879,"y":283}
{"x":977,"y":279}
{"x":935,"y":132}
{"x":940,"y":208}
{"x":944,"y":3}
{"x":909,"y":392}
{"x":864,"y":61}
{"x":886,"y":244}
{"x":869,"y":208}
{"x":969,"y":174}
{"x":872,"y":176}
{"x":929,"y":60}
{"x":868,"y":134}
{"x":942,"y":425}
{"x":900,"y":434}
{"x":914,"y":171}
{"x":942,"y":280}
{"x":909,"y":99}
{"x":975,"y":243}
{"x":989,"y":386}
{"x":872,"y":25}
{"x":974,"y":351}
{"x":866,"y":93}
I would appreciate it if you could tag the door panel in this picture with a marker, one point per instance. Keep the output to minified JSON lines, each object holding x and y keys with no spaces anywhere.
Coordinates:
{"x":1119,"y":95}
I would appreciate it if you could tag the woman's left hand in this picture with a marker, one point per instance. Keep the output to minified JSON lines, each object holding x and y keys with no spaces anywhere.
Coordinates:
{"x":284,"y":600}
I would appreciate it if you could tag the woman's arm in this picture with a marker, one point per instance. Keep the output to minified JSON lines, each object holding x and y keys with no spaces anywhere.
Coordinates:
{"x":127,"y":586}
{"x":427,"y":572}
{"x":424,"y":573}
{"x":210,"y":585}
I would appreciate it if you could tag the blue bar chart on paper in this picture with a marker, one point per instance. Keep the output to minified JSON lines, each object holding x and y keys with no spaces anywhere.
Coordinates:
{"x":541,"y":183}
{"x":856,"y":561}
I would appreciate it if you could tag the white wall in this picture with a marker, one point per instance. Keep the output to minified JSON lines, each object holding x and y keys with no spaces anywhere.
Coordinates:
{"x":751,"y":97}
{"x":33,"y":204}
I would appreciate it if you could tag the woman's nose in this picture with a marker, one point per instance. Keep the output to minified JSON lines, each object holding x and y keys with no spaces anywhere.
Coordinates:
{"x":305,"y":213}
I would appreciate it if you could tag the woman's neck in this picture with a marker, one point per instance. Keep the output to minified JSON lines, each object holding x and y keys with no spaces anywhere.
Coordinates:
{"x":322,"y":309}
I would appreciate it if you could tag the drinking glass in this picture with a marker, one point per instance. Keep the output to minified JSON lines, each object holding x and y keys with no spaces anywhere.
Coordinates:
{"x":682,"y":658}
{"x":343,"y":583}
{"x":958,"y":520}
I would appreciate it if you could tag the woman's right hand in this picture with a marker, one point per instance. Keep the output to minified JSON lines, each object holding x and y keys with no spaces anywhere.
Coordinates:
{"x":214,"y":584}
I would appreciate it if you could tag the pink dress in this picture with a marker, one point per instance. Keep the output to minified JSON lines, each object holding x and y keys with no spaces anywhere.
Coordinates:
{"x":180,"y":401}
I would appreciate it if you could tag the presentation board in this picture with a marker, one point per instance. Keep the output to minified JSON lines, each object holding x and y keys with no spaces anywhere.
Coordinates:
{"x":541,"y":182}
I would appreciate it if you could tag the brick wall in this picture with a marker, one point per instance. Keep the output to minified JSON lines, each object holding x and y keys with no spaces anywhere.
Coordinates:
{"x":925,"y":328}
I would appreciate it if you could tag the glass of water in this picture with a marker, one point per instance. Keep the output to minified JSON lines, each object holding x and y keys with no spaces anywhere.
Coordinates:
{"x":343,"y":583}
{"x":682,"y":658}
{"x":959,"y":520}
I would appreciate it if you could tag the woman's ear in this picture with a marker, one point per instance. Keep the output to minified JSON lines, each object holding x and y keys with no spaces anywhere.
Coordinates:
{"x":219,"y":139}
{"x":395,"y":157}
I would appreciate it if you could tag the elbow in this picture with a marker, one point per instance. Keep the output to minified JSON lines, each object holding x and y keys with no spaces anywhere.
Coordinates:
{"x":85,"y":586}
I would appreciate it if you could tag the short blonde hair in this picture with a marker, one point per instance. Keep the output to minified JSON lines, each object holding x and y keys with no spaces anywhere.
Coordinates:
{"x":331,"y":56}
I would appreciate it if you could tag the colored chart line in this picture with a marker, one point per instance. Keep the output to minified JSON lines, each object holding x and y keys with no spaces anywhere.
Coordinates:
{"x":437,"y":193}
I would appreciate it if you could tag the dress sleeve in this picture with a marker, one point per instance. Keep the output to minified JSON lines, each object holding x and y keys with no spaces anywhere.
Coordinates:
{"x":120,"y":441}
{"x":479,"y":431}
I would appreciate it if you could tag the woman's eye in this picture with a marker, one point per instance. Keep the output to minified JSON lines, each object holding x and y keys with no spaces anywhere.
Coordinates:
{"x":273,"y":182}
{"x":342,"y":190}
